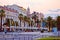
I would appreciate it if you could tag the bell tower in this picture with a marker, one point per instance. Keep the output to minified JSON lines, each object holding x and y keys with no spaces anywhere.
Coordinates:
{"x":28,"y":11}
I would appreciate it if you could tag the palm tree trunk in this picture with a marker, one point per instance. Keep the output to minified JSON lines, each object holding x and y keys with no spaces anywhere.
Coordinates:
{"x":49,"y":26}
{"x":10,"y":25}
{"x":31,"y":24}
{"x":24,"y":24}
{"x":20,"y":23}
{"x":1,"y":23}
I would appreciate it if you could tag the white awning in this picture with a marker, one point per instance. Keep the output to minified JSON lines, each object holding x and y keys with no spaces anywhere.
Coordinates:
{"x":24,"y":27}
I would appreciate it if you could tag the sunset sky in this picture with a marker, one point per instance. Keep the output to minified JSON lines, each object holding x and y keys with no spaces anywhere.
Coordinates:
{"x":35,"y":5}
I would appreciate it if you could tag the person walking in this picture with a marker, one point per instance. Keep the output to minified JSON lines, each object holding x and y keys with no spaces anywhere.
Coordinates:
{"x":5,"y":28}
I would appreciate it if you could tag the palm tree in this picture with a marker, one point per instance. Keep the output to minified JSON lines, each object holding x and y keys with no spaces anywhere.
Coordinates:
{"x":28,"y":20}
{"x":38,"y":22}
{"x":8,"y":22}
{"x":31,"y":23}
{"x":12,"y":23}
{"x":25,"y":20}
{"x":16,"y":23}
{"x":2,"y":14}
{"x":20,"y":18}
{"x":49,"y":20}
{"x":58,"y":23}
{"x":54,"y":23}
{"x":35,"y":18}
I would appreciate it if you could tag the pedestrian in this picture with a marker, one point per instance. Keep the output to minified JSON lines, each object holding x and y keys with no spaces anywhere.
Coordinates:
{"x":5,"y":28}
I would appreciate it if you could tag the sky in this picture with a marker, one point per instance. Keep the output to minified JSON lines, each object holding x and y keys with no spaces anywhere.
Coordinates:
{"x":34,"y":5}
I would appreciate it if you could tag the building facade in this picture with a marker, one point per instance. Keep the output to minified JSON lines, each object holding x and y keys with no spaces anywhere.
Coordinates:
{"x":12,"y":12}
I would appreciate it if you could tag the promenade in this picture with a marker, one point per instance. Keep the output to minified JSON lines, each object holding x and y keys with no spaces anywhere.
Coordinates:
{"x":23,"y":35}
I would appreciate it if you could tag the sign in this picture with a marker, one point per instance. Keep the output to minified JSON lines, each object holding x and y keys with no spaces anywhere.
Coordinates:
{"x":43,"y":24}
{"x":54,"y":29}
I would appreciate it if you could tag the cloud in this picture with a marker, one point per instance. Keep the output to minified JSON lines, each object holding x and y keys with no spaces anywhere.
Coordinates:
{"x":53,"y":13}
{"x":35,"y":5}
{"x":54,"y":10}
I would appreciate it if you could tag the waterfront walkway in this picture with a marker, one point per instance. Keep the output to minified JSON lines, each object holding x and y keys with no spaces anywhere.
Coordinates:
{"x":23,"y":35}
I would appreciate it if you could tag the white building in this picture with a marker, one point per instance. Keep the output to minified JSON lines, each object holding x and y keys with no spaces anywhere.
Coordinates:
{"x":12,"y":12}
{"x":19,"y":9}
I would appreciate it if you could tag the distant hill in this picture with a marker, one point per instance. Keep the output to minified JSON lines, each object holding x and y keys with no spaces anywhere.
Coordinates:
{"x":53,"y":13}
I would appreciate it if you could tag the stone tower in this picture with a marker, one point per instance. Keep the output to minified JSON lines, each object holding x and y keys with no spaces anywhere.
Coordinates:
{"x":28,"y":11}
